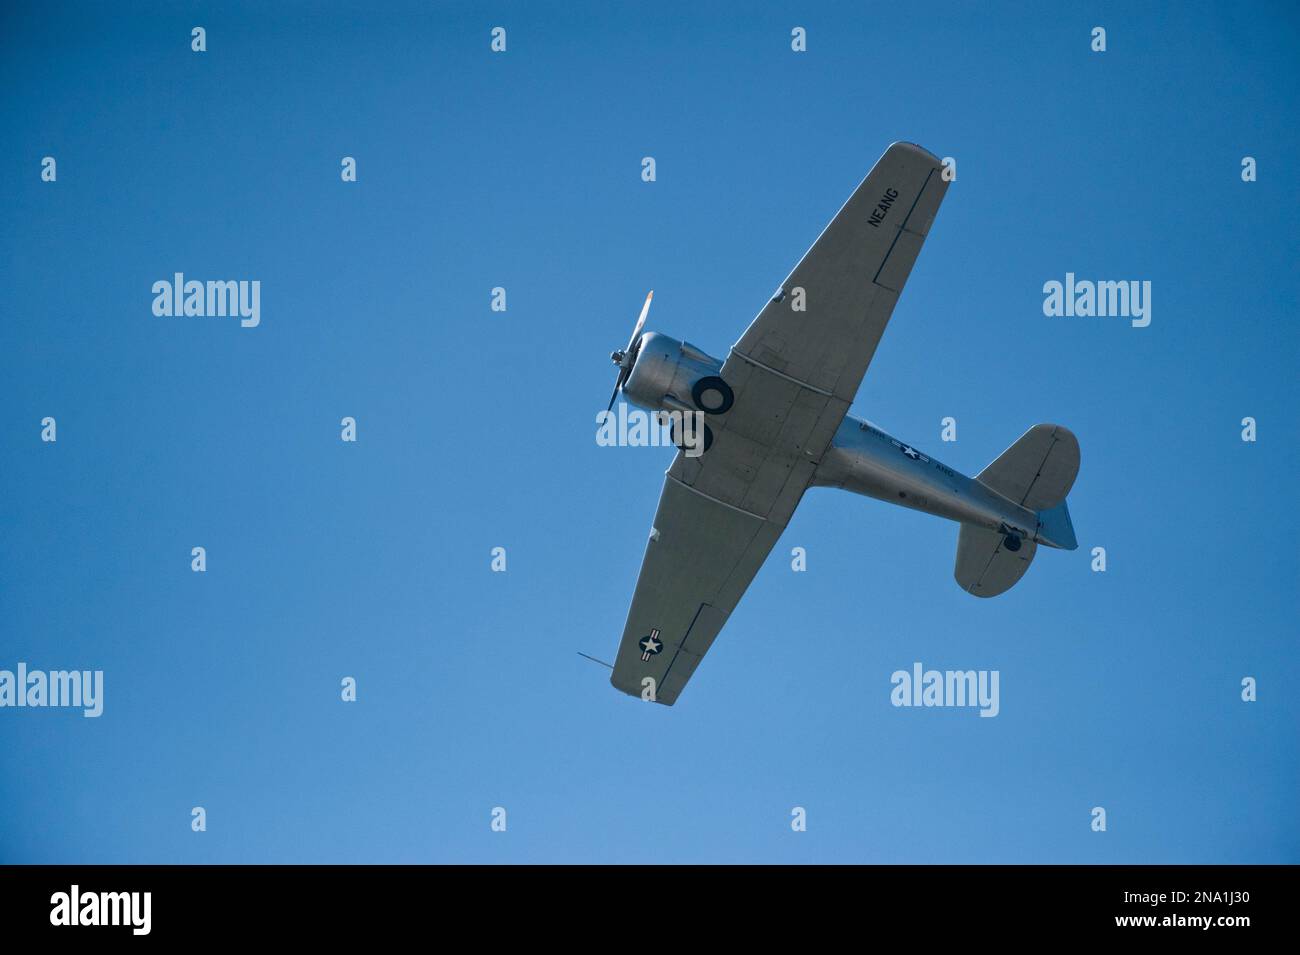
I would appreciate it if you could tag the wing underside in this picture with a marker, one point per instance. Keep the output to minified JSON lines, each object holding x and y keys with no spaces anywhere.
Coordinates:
{"x":825,"y":321}
{"x":701,"y":556}
{"x":797,"y":368}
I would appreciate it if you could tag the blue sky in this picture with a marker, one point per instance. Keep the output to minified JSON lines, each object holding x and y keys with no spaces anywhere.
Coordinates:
{"x":476,"y":429}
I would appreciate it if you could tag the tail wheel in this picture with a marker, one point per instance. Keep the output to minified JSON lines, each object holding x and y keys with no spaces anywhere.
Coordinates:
{"x":712,"y":395}
{"x":1011,"y":542}
{"x":677,"y":437}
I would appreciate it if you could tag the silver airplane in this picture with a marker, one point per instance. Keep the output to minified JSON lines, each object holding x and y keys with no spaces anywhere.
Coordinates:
{"x":776,"y":424}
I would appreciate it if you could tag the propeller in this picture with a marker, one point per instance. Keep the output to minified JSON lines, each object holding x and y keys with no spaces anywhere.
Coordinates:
{"x":625,"y":358}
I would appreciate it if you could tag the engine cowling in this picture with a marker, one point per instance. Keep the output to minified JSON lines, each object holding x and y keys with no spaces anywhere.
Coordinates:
{"x":668,"y":374}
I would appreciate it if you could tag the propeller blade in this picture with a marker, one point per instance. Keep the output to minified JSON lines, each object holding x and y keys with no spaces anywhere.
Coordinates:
{"x":614,"y":396}
{"x":640,"y":323}
{"x":625,"y":362}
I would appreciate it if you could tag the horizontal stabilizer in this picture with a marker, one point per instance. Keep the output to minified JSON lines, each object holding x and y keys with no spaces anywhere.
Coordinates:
{"x":1037,"y":471}
{"x":986,"y":566}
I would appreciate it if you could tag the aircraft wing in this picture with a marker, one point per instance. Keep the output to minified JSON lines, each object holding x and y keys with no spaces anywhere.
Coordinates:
{"x":701,"y":556}
{"x":797,"y":368}
{"x":794,"y":372}
{"x":851,"y":278}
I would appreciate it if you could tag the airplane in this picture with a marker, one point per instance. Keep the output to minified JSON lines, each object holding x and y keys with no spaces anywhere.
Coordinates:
{"x":776,"y":423}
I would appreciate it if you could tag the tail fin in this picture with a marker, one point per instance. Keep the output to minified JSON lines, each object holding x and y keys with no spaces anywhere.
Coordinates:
{"x":1036,"y":472}
{"x":1055,"y":529}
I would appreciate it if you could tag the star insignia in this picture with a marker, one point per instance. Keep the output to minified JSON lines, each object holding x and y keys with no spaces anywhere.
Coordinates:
{"x":650,"y":645}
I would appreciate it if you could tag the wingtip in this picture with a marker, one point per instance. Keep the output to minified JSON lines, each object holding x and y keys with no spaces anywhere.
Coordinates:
{"x":916,"y":147}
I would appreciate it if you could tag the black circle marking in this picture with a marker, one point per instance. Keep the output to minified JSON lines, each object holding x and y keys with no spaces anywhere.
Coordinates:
{"x":705,"y":389}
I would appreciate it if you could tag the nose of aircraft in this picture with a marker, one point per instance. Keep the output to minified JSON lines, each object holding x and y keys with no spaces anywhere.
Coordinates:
{"x":620,"y":357}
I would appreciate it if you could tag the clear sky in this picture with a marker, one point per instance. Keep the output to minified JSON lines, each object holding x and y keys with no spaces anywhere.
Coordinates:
{"x":476,"y":429}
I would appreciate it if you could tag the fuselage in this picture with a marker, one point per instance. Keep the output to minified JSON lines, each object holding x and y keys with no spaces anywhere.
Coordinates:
{"x":861,"y":458}
{"x":866,"y":460}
